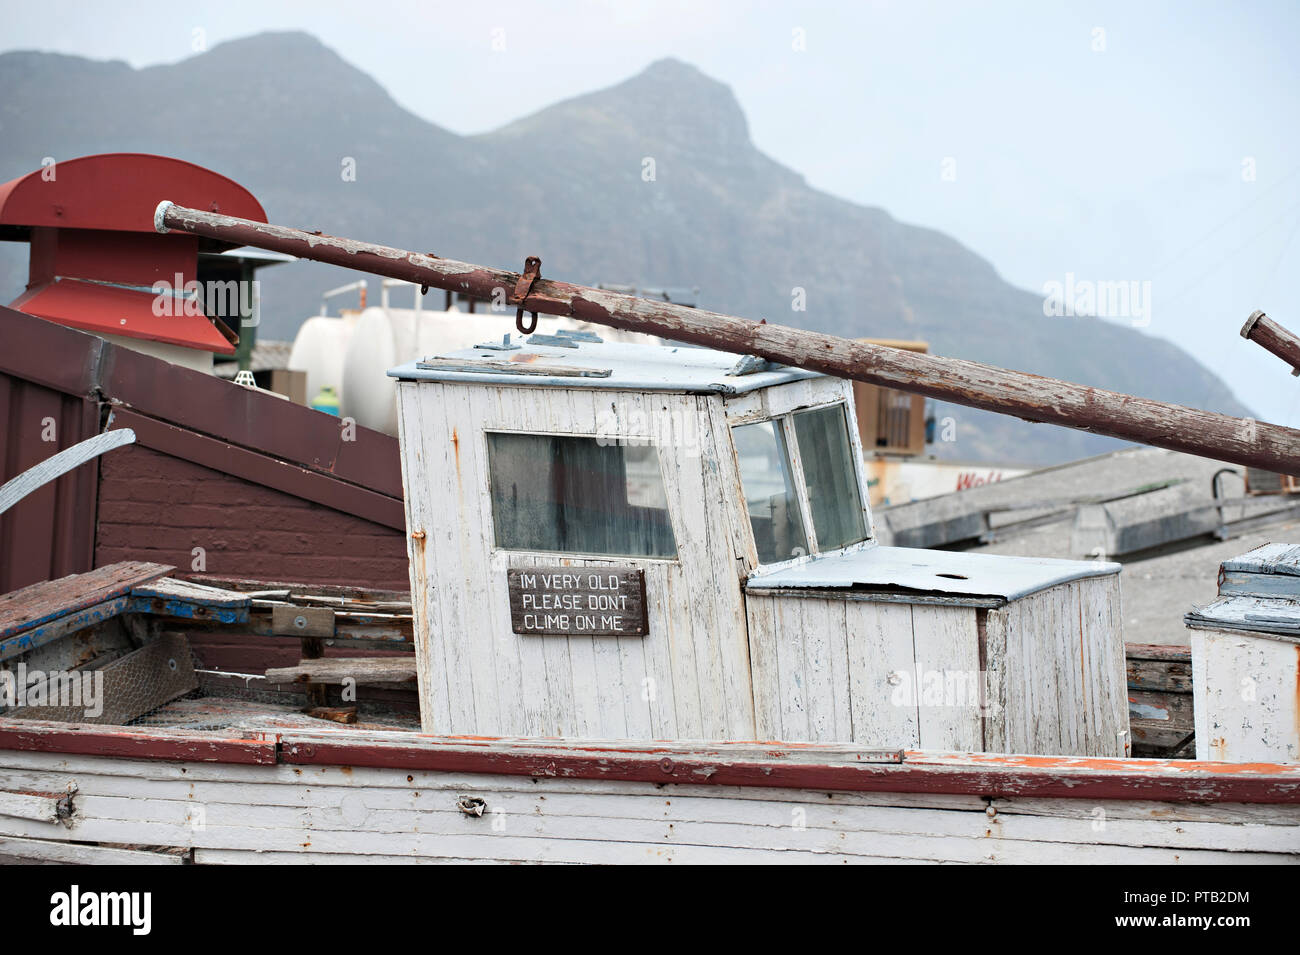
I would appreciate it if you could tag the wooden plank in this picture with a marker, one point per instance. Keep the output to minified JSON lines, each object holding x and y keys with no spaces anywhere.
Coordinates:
{"x":38,"y":806}
{"x":882,"y":661}
{"x":1158,"y":651}
{"x":189,"y":601}
{"x":948,"y":682}
{"x":56,"y":465}
{"x":335,"y":714}
{"x":526,"y":366}
{"x":170,"y":588}
{"x":364,"y":671}
{"x":1159,"y":675}
{"x":46,"y":850}
{"x":347,"y":813}
{"x":1172,"y":708}
{"x":993,"y":650}
{"x":40,"y":603}
{"x":48,"y":737}
{"x":46,"y":633}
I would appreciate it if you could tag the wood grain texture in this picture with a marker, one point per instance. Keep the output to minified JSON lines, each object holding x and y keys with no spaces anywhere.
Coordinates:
{"x":38,"y":603}
{"x":1044,"y":674}
{"x":56,"y":465}
{"x":1247,"y":696}
{"x":687,"y":678}
{"x":327,"y":813}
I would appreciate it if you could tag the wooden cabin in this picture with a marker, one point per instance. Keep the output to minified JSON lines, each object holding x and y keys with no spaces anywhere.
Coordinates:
{"x":656,"y":542}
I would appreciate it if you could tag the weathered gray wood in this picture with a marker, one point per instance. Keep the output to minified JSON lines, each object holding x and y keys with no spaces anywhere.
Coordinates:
{"x":39,"y":806}
{"x":168,"y":588}
{"x":513,"y":368}
{"x":335,"y":670}
{"x":687,"y":677}
{"x":1034,"y":398}
{"x":47,"y":850}
{"x":57,"y":465}
{"x":277,"y":814}
{"x":31,"y":606}
{"x":1246,"y":705}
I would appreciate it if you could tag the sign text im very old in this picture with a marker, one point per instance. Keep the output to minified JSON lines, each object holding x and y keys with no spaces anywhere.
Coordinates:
{"x":578,"y":601}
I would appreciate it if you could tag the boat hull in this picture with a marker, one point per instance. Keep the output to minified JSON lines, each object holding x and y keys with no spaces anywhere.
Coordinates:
{"x":357,"y":797}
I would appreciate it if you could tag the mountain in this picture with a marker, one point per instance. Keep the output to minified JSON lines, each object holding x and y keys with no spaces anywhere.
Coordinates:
{"x":281,"y":113}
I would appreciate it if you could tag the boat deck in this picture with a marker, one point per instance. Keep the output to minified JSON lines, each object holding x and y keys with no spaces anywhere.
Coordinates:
{"x":223,"y":714}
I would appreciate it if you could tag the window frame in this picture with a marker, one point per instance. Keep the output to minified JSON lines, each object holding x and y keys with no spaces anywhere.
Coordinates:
{"x":785,"y":419}
{"x":485,"y":450}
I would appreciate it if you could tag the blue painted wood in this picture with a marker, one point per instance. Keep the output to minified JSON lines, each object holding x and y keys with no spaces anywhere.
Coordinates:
{"x":50,"y":630}
{"x":198,"y":594}
{"x":186,"y":609}
{"x":45,"y":612}
{"x":52,"y":600}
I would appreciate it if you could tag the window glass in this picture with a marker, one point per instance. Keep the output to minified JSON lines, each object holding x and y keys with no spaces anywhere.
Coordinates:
{"x":833,"y":495}
{"x":576,"y":495}
{"x":769,"y":491}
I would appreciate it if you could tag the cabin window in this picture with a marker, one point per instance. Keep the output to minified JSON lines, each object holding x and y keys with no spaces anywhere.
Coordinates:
{"x":769,"y":489}
{"x":578,"y":495}
{"x":828,"y":469}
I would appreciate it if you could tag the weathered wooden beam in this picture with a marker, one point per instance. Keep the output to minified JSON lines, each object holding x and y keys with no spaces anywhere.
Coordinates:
{"x":57,"y":465}
{"x":1243,"y":441}
{"x":1271,"y":336}
{"x":363,"y":671}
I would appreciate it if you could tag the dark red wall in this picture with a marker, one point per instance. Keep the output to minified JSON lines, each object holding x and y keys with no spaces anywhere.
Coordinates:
{"x":153,"y":506}
{"x":50,"y":533}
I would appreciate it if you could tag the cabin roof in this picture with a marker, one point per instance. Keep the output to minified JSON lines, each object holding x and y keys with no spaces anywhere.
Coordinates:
{"x":578,"y":360}
{"x":963,"y":576}
{"x":1273,"y":617}
{"x":1259,"y":592}
{"x":1277,"y":559}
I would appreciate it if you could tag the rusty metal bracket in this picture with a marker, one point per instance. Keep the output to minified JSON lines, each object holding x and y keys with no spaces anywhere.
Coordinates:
{"x":532,"y":270}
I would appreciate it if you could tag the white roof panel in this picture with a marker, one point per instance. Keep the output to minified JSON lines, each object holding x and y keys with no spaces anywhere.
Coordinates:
{"x":959,"y":575}
{"x":580,"y":363}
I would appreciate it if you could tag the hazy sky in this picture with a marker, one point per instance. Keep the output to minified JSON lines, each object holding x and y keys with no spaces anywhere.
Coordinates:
{"x":1139,"y":141}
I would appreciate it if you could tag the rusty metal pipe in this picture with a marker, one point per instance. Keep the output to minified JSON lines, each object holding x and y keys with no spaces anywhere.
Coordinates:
{"x":1221,"y":437}
{"x":1271,"y":336}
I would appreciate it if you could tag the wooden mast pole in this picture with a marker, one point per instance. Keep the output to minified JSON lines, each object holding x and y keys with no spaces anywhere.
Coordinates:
{"x":1242,"y":441}
{"x":1271,"y":336}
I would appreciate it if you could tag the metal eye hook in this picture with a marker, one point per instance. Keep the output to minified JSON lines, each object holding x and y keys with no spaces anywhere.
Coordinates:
{"x":532,"y":270}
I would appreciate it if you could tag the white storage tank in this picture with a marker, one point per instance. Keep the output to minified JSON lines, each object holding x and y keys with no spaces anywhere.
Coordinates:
{"x":352,"y":353}
{"x":318,"y":349}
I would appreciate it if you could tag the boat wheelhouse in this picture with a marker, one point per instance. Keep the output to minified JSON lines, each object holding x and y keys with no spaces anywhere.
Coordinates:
{"x":663,"y":542}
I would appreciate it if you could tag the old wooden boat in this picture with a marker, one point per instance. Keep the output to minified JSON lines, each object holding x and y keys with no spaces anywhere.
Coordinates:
{"x":649,"y":623}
